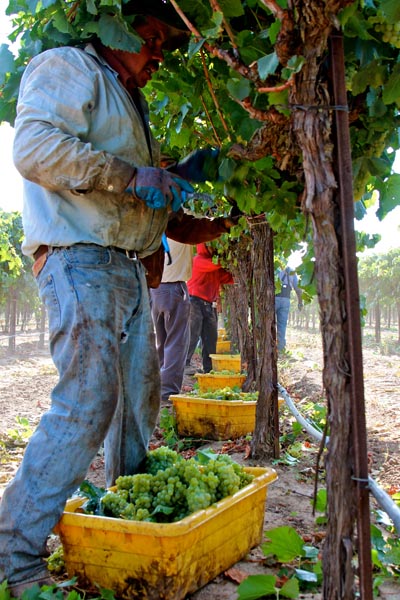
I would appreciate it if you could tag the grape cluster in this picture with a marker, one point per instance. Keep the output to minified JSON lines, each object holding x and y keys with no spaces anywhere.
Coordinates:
{"x":390,"y":31}
{"x":224,"y":372}
{"x":173,"y":487}
{"x":228,"y":393}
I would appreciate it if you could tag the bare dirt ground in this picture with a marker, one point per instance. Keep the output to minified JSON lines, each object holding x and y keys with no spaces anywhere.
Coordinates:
{"x":28,"y":376}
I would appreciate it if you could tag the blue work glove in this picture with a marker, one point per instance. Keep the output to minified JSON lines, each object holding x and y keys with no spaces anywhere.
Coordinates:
{"x":199,"y":166}
{"x":158,"y":188}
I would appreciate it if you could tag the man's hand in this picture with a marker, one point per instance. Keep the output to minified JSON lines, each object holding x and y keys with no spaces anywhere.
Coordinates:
{"x":158,"y":188}
{"x":234,"y":216}
{"x":199,"y":166}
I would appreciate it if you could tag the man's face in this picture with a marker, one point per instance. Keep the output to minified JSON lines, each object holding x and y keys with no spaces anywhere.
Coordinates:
{"x":143,"y":64}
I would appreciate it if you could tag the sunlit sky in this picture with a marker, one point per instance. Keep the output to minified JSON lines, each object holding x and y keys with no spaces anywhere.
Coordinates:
{"x":11,"y":184}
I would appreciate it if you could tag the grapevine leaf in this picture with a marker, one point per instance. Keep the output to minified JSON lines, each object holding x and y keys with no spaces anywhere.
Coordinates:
{"x":194,"y":47}
{"x":204,"y":456}
{"x":304,"y":575}
{"x":285,"y":544}
{"x":356,"y":27}
{"x":94,"y":495}
{"x":32,"y":5}
{"x":91,"y":7}
{"x":239,"y":88}
{"x":232,"y":8}
{"x":162,"y":509}
{"x":359,"y":210}
{"x":389,"y":195}
{"x":47,"y":3}
{"x":373,"y":74}
{"x":391,"y":91}
{"x":61,"y":23}
{"x":377,"y":539}
{"x":391,"y":556}
{"x":6,"y":60}
{"x":391,"y":10}
{"x":290,"y":588}
{"x":214,"y":32}
{"x":311,"y":552}
{"x":273,"y":31}
{"x":257,"y":586}
{"x":267,"y":65}
{"x":114,"y":33}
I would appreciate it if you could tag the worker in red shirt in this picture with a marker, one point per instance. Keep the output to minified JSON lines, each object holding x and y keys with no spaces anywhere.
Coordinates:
{"x":204,"y":290}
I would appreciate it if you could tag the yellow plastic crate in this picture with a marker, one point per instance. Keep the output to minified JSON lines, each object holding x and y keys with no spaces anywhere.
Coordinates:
{"x":223,"y":347}
{"x":222,"y":334}
{"x":164,"y":561}
{"x":213,"y":419}
{"x":226,"y":362}
{"x":217,"y":381}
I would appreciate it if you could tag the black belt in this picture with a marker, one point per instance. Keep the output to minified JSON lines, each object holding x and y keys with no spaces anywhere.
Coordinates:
{"x":202,"y":300}
{"x":132,"y":254}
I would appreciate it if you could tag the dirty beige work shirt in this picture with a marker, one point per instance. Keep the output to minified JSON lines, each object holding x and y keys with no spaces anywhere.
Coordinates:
{"x":78,"y":134}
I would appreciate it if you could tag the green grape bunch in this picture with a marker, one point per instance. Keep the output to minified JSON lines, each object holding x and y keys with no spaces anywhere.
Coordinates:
{"x":390,"y":31}
{"x":173,"y":487}
{"x":228,"y":394}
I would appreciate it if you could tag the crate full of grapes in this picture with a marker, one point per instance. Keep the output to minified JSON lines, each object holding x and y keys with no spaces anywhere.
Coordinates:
{"x":224,"y":414}
{"x":163,"y":534}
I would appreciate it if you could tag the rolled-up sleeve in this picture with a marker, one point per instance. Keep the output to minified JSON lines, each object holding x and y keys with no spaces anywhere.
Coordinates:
{"x":54,"y":122}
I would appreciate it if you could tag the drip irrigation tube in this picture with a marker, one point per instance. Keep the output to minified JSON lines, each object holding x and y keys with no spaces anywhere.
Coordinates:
{"x":383,"y":499}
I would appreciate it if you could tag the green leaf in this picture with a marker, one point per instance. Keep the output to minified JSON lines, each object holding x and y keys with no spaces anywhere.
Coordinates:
{"x":114,"y":33}
{"x":61,"y":22}
{"x":391,"y":10}
{"x":204,"y":456}
{"x":320,"y":505}
{"x":267,"y":65}
{"x":373,"y":74}
{"x":295,"y":63}
{"x":231,"y":8}
{"x":391,"y":91}
{"x":274,"y":30}
{"x":4,"y":590}
{"x":239,"y":88}
{"x":6,"y":60}
{"x":389,"y":195}
{"x":375,"y":558}
{"x":290,"y":588}
{"x":304,"y":575}
{"x":285,"y":544}
{"x":194,"y":47}
{"x":91,"y":7}
{"x":356,"y":26}
{"x":311,"y":552}
{"x":257,"y":586}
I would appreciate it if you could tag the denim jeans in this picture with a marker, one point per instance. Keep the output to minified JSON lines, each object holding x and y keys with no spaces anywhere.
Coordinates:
{"x":170,"y":307}
{"x":282,"y":307}
{"x":102,"y":343}
{"x":203,"y":325}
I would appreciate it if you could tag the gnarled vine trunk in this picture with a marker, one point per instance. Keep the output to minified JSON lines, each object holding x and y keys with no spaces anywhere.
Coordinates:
{"x":252,"y":309}
{"x":312,"y":125}
{"x":265,"y":441}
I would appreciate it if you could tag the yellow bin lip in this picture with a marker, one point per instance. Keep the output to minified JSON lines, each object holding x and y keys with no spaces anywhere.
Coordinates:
{"x":197,"y":399}
{"x":224,"y":356}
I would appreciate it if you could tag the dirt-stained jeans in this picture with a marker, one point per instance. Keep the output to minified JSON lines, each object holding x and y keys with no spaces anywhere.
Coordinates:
{"x":102,"y":343}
